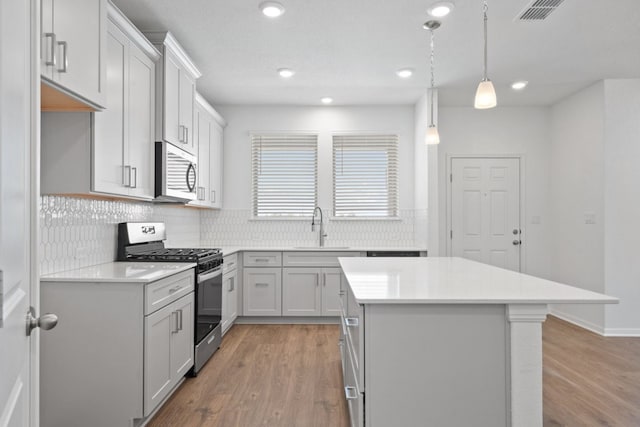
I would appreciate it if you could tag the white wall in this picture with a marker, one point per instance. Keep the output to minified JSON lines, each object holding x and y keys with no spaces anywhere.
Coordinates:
{"x":500,"y":131}
{"x":622,"y":205}
{"x":324,"y":120}
{"x":577,"y":189}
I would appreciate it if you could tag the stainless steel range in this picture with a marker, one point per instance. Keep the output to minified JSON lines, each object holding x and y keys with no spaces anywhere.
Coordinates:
{"x":144,"y":241}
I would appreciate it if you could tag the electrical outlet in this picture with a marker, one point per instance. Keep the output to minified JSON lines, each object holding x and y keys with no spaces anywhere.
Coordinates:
{"x":589,"y":218}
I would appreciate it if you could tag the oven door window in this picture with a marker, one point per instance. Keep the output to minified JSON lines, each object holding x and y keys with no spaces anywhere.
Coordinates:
{"x":209,"y":305}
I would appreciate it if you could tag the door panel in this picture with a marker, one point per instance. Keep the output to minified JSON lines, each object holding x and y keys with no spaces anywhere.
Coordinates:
{"x":15,"y":212}
{"x":171,"y":101}
{"x":485,"y":210}
{"x":301,"y":293}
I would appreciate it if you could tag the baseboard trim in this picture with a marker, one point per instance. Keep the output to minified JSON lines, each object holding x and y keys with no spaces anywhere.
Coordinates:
{"x":577,"y":321}
{"x":266,"y":320}
{"x":621,"y":332}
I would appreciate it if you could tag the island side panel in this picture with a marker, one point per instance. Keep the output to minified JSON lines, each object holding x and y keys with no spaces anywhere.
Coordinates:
{"x":440,"y":365}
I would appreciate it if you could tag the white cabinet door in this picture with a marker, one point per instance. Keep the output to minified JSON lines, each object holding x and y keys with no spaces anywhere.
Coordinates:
{"x":141,"y":122}
{"x":187,"y":93}
{"x":80,"y":31}
{"x":301,"y":292}
{"x":171,"y":100}
{"x":159,"y":329}
{"x":262,"y":291}
{"x":203,"y":121}
{"x":331,"y":285}
{"x":109,"y":155}
{"x":182,"y":340}
{"x":229,"y":299}
{"x":215,"y":164}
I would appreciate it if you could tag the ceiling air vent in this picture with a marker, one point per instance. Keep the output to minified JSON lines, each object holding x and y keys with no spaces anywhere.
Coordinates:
{"x":538,"y":10}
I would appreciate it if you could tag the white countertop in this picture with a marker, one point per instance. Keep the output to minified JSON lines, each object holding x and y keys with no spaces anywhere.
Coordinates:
{"x":133,"y":272}
{"x":234,"y":249}
{"x":453,"y":281}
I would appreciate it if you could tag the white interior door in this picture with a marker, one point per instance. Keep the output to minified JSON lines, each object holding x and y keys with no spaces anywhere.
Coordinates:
{"x":15,"y":143}
{"x":485,"y":210}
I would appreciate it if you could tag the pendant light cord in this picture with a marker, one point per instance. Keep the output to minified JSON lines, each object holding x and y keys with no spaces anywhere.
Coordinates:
{"x":485,"y":8}
{"x":431,"y":62}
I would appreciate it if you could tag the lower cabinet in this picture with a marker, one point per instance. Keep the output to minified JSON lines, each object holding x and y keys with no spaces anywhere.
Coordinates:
{"x":119,"y":349}
{"x":262,"y":291}
{"x":168,"y":349}
{"x":311,"y":291}
{"x":229,"y":299}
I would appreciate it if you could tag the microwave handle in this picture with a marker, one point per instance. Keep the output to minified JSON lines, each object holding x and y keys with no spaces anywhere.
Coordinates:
{"x":191,"y":184}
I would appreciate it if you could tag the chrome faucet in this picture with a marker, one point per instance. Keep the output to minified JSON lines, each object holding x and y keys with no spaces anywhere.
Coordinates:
{"x":321,"y":233}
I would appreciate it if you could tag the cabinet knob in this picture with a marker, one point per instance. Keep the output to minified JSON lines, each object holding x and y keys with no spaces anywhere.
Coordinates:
{"x":46,"y":321}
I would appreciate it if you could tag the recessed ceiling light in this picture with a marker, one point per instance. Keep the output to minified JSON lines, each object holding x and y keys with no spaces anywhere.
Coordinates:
{"x":440,"y":9}
{"x":286,"y":72}
{"x":272,"y":9}
{"x":327,"y":100}
{"x":519,"y":85}
{"x":405,"y":73}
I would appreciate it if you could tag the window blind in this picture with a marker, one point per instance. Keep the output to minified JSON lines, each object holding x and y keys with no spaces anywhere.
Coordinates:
{"x":365,"y":175}
{"x":284,"y":174}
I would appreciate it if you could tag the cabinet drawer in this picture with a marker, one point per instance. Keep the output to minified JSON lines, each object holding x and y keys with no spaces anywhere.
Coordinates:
{"x":353,"y":326}
{"x":353,"y":394}
{"x":314,"y":259}
{"x":165,"y":291}
{"x":230,"y":263}
{"x":262,"y":259}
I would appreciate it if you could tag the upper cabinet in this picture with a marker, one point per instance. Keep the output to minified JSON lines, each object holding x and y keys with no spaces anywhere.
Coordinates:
{"x":73,"y":46}
{"x":110,"y":152}
{"x":209,"y":127}
{"x":175,"y":93}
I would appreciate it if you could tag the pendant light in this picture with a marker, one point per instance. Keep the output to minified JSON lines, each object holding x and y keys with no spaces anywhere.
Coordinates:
{"x":432,"y":137}
{"x":486,"y":94}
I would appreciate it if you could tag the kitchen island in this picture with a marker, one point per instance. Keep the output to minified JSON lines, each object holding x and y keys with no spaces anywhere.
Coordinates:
{"x":445,"y":341}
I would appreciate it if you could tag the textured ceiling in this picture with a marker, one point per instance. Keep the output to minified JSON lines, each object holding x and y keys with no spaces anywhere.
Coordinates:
{"x":350,"y":50}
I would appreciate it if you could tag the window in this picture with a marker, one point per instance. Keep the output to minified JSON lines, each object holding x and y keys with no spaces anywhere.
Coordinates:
{"x":365,"y":176}
{"x":284,"y":170}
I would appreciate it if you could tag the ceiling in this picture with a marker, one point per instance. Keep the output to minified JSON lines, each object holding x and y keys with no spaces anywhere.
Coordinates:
{"x":350,"y":50}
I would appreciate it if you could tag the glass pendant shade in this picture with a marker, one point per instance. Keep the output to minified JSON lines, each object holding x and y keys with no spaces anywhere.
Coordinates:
{"x":432,"y":135}
{"x":485,"y":95}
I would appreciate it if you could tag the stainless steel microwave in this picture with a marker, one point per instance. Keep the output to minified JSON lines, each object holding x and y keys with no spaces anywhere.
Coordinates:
{"x":175,"y":174}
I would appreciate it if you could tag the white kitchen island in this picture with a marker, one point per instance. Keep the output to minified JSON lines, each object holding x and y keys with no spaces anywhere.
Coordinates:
{"x":445,"y":342}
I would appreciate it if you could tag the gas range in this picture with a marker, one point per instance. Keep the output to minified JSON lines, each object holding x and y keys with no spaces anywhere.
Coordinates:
{"x":139,"y":241}
{"x":144,"y":241}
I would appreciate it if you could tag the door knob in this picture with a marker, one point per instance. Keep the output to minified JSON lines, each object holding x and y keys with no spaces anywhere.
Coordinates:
{"x":517,"y":242}
{"x":46,"y":321}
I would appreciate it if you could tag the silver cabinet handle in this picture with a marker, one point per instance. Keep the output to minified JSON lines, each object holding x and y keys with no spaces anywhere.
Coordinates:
{"x":65,"y":60}
{"x":135,"y":177}
{"x":262,"y":259}
{"x":232,"y":284}
{"x":51,"y":50}
{"x":350,"y":393}
{"x":341,"y":293}
{"x":324,"y":279}
{"x":186,"y":139}
{"x":210,"y":340}
{"x":180,"y":133}
{"x":213,"y":196}
{"x":127,"y":175}
{"x":517,"y":242}
{"x":352,"y":322}
{"x":180,"y":319}
{"x":174,"y":289}
{"x":262,"y":284}
{"x":175,"y":331}
{"x":201,"y":193}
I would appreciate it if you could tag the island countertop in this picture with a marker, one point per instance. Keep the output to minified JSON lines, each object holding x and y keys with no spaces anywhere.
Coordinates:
{"x":444,"y":280}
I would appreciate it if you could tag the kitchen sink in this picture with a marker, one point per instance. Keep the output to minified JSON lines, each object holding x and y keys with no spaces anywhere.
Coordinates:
{"x":321,"y":248}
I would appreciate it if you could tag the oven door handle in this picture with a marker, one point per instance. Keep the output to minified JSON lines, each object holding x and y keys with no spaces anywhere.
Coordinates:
{"x":209,"y":276}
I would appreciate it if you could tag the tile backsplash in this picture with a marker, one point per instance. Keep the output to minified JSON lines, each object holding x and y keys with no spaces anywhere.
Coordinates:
{"x":77,"y":232}
{"x":236,"y":228}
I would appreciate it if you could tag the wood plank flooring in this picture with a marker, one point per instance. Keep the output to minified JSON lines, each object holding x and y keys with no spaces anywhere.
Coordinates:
{"x":290,"y":376}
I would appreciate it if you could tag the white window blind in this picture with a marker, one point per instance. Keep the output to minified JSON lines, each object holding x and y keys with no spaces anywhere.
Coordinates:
{"x":365,"y":175}
{"x":284,"y":174}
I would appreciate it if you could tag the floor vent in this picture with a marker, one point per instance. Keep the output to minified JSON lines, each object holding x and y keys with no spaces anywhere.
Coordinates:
{"x":539,"y":10}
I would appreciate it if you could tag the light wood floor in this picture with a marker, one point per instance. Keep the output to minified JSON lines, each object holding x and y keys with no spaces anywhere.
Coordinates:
{"x":289,"y":376}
